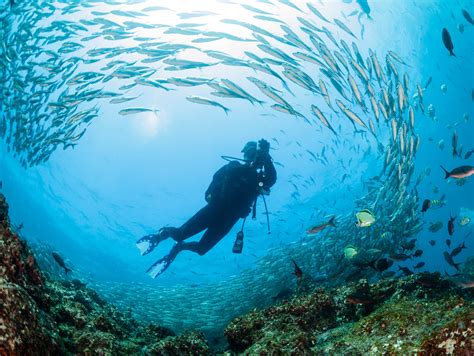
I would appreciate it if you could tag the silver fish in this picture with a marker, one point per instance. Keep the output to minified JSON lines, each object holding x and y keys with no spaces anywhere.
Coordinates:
{"x":131,"y":111}
{"x":325,"y":93}
{"x":343,"y":26}
{"x":321,"y":117}
{"x":355,"y":91}
{"x":316,"y":12}
{"x":350,"y":115}
{"x":205,"y":101}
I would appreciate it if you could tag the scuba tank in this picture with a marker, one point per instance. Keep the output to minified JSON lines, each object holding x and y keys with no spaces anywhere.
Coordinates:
{"x":239,"y":242}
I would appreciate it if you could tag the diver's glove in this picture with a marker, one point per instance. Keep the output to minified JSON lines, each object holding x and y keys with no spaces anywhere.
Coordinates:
{"x":263,"y":154}
{"x":264,"y":147}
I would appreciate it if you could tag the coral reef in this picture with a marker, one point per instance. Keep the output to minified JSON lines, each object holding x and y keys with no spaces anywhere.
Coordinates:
{"x":66,"y":317}
{"x":421,"y":313}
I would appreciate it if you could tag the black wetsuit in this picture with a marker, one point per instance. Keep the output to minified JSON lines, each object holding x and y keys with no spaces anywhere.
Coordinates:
{"x":230,"y":197}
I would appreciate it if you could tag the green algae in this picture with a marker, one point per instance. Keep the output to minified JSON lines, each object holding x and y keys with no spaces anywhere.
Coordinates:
{"x":398,"y":326}
{"x":415,"y":314}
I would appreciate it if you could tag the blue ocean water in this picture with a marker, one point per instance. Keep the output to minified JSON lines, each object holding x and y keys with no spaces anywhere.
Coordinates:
{"x":129,"y":175}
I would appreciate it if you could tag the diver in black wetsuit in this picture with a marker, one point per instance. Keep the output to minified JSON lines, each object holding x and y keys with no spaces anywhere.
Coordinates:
{"x":233,"y":190}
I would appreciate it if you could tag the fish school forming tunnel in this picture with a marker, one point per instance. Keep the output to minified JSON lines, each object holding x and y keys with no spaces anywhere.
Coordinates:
{"x":191,"y":162}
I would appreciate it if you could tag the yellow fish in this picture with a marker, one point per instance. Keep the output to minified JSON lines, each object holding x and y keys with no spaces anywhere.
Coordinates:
{"x":365,"y":218}
{"x":350,"y":252}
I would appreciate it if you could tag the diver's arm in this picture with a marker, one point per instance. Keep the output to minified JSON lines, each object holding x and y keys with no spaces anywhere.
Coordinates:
{"x":270,"y":172}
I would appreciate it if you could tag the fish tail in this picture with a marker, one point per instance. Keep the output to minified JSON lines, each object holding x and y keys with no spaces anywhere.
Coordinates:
{"x":372,"y":264}
{"x":456,"y":265}
{"x":331,"y":221}
{"x":445,"y":171}
{"x":451,"y":53}
{"x":67,"y":270}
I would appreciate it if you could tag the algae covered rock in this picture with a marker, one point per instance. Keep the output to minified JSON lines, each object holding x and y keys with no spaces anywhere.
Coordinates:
{"x":59,"y":317}
{"x":17,"y":264}
{"x":422,"y":313}
{"x":22,"y":330}
{"x":189,"y":343}
{"x":288,"y":327}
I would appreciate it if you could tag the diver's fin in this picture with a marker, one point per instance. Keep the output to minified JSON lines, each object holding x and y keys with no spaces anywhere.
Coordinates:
{"x":159,"y":267}
{"x":147,"y":243}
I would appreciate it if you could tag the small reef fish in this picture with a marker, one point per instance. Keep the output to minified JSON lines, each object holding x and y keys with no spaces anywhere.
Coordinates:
{"x":359,"y":298}
{"x":59,"y":260}
{"x":457,"y":250}
{"x":406,"y":271}
{"x":349,"y":252}
{"x":454,"y":142}
{"x":426,"y":205}
{"x":298,"y":272}
{"x":448,"y":42}
{"x":468,"y":154}
{"x":381,"y":264}
{"x":465,"y":220}
{"x":315,"y":229}
{"x":459,"y":172}
{"x":408,"y":246}
{"x":419,"y":265}
{"x":399,"y":256}
{"x":438,"y":203}
{"x":450,"y":260}
{"x":365,"y":218}
{"x":467,"y":16}
{"x":417,"y":253}
{"x":451,"y":225}
{"x":432,"y":242}
{"x":435,"y":227}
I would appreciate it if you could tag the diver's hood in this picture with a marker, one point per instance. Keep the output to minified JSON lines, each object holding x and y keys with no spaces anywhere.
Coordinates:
{"x":250,"y":151}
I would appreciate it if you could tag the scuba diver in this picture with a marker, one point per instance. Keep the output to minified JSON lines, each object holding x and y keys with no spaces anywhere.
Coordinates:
{"x":233,"y":191}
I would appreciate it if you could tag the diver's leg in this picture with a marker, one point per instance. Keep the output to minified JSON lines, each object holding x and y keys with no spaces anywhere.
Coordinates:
{"x":197,"y":223}
{"x":211,"y":237}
